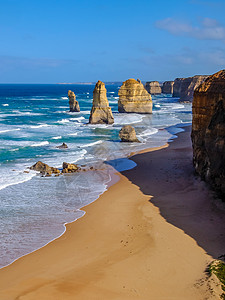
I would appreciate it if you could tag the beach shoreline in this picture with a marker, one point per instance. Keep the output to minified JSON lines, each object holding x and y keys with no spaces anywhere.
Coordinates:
{"x":125,"y":247}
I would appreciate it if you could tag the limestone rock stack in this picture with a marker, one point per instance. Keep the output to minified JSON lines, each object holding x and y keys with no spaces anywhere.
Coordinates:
{"x":101,"y":113}
{"x":74,"y":105}
{"x":133,"y":98}
{"x":128,"y":134}
{"x":167,"y":87}
{"x":153,"y":87}
{"x":184,"y":87}
{"x":208,"y":131}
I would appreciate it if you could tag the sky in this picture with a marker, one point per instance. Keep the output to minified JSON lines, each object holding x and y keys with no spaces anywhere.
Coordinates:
{"x":55,"y":41}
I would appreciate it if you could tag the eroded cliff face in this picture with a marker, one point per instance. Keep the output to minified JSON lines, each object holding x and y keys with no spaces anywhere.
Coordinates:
{"x":74,"y":105}
{"x":101,"y":113}
{"x":153,"y":87}
{"x":208,"y":131}
{"x":184,"y":87}
{"x":167,"y":87}
{"x":133,"y":98}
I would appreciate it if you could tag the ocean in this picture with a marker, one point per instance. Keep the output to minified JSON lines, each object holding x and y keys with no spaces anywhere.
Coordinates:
{"x":34,"y":120}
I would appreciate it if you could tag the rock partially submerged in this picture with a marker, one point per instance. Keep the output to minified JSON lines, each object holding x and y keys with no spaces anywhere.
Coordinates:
{"x":101,"y":113}
{"x":70,"y":168}
{"x":63,"y":146}
{"x":133,"y":98}
{"x":153,"y":87}
{"x":74,"y":105}
{"x":44,"y":169}
{"x":167,"y":87}
{"x":208,"y":131}
{"x":128,"y":134}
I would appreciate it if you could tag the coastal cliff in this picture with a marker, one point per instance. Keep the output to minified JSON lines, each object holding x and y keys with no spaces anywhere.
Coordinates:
{"x":74,"y":105}
{"x":184,"y":87}
{"x":167,"y":87}
{"x":153,"y":87}
{"x":101,"y":113}
{"x":208,"y":131}
{"x":133,"y":98}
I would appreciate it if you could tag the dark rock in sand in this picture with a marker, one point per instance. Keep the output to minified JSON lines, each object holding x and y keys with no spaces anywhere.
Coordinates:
{"x":128,"y":134}
{"x":208,"y":131}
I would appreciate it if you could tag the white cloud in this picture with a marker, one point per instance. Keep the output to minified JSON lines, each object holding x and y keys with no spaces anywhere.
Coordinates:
{"x":209,"y":29}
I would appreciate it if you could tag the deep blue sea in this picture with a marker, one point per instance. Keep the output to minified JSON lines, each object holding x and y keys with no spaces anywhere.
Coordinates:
{"x":34,"y":120}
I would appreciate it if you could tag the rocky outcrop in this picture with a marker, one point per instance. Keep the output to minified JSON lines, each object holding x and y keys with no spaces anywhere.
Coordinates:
{"x":208,"y":131}
{"x":153,"y":87}
{"x":44,"y":169}
{"x":74,"y":105}
{"x":128,"y":134}
{"x":167,"y":87}
{"x":70,"y":168}
{"x":101,"y":113}
{"x":133,"y":98}
{"x":63,"y":146}
{"x":184,"y":87}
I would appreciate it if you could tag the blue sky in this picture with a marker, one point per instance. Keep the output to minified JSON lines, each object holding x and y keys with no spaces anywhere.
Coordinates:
{"x":81,"y":41}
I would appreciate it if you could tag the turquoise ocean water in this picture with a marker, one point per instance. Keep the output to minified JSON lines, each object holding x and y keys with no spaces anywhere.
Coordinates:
{"x":34,"y":119}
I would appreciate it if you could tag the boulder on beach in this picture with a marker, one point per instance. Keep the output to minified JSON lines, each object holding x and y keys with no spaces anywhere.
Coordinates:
{"x":44,"y":168}
{"x":208,"y":131}
{"x":153,"y":87}
{"x":101,"y":113}
{"x":133,"y":98}
{"x":74,"y":105}
{"x":70,"y":168}
{"x":128,"y":134}
{"x":63,"y":146}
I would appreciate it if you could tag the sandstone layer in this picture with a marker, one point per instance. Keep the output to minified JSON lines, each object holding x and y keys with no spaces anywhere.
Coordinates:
{"x":208,"y":131}
{"x":153,"y":87}
{"x":101,"y":113}
{"x":74,"y":105}
{"x":184,"y":87}
{"x":133,"y":98}
{"x":167,"y":87}
{"x":128,"y":134}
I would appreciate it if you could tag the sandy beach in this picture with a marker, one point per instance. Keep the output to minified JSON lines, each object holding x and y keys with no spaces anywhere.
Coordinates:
{"x":150,"y":236}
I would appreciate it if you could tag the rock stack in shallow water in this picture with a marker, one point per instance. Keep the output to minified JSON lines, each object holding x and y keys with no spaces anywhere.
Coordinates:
{"x":74,"y":105}
{"x":208,"y":131}
{"x":133,"y":98}
{"x":167,"y":87}
{"x":101,"y":113}
{"x":128,"y":134}
{"x":184,"y":87}
{"x":153,"y":87}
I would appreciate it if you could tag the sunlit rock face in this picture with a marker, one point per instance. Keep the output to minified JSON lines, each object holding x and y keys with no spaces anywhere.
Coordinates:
{"x":167,"y":87}
{"x":153,"y":87}
{"x":74,"y":105}
{"x":133,"y":98}
{"x":208,"y":131}
{"x":184,"y":88}
{"x":101,"y":113}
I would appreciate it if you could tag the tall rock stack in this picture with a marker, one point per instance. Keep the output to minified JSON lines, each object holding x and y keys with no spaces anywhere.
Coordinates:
{"x":208,"y":131}
{"x":184,"y":87}
{"x":101,"y":113}
{"x":74,"y":105}
{"x":167,"y":87}
{"x":153,"y":87}
{"x":133,"y":98}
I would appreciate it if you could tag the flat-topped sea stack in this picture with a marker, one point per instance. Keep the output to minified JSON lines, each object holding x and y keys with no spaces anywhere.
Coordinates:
{"x":133,"y":98}
{"x":153,"y":87}
{"x":184,"y":87}
{"x":167,"y":87}
{"x":101,"y":113}
{"x":208,"y":131}
{"x":74,"y":105}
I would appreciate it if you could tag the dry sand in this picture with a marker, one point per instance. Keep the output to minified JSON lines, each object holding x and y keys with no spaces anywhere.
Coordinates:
{"x":150,"y":236}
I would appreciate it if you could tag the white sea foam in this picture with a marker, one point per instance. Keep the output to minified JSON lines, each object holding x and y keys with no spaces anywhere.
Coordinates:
{"x":5,"y":104}
{"x":40,"y":144}
{"x":64,"y":98}
{"x":157,"y":105}
{"x":149,"y":131}
{"x":91,"y":144}
{"x":7,"y":130}
{"x":73,"y":134}
{"x":57,"y":137}
{"x":77,"y":119}
{"x":63,"y":121}
{"x":39,"y":126}
{"x":123,"y":119}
